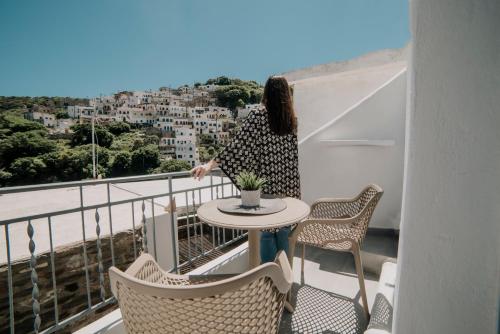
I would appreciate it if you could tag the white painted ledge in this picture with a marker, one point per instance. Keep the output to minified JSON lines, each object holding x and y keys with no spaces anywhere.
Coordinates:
{"x":358,"y":142}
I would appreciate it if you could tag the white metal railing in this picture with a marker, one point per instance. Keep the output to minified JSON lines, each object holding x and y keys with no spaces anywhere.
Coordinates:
{"x":193,"y":229}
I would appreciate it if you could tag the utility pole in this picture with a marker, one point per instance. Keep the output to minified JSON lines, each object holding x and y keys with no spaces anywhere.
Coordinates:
{"x":93,"y":147}
{"x":217,"y":127}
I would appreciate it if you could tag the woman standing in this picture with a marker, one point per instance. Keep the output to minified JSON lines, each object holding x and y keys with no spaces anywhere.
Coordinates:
{"x":266,"y":145}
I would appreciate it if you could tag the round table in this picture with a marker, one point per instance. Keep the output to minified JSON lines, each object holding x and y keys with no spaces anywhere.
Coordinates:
{"x":296,"y":210}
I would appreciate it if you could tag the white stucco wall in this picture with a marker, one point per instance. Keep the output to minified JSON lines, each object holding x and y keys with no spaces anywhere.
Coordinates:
{"x":449,"y":250}
{"x":320,"y":99}
{"x":333,"y":163}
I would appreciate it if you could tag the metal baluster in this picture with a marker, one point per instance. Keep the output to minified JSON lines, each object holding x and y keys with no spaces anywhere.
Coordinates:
{"x":199,"y":223}
{"x":218,"y":236}
{"x":9,"y":280}
{"x":172,"y":222}
{"x":194,"y":226}
{"x":100,"y":267}
{"x":213,"y":236}
{"x":199,"y":204}
{"x":224,"y":236}
{"x":35,"y":293}
{"x":133,"y":228}
{"x":154,"y":227}
{"x":144,"y":229}
{"x":217,"y":191}
{"x":187,"y":228}
{"x":53,"y":270}
{"x":222,"y":186}
{"x":85,"y":260}
{"x":110,"y":226}
{"x":211,"y":186}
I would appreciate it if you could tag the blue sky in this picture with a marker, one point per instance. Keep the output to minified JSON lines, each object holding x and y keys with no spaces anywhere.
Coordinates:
{"x":88,"y":47}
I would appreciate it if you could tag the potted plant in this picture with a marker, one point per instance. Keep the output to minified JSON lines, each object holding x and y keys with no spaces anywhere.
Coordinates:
{"x":250,"y":186}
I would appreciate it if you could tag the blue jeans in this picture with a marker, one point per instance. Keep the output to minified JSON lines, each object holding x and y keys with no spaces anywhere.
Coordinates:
{"x":272,"y":242}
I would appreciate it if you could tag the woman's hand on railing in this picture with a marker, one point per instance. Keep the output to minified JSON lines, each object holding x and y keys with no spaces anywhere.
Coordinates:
{"x":200,"y":171}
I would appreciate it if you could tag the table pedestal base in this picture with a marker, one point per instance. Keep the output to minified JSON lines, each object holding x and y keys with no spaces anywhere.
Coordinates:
{"x":254,"y":248}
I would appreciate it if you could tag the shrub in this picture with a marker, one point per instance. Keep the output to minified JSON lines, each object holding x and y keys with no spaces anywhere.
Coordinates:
{"x":170,"y":166}
{"x":121,"y":164}
{"x":28,"y":170}
{"x":82,"y":134}
{"x":117,"y":128}
{"x":146,"y":158}
{"x":24,"y":144}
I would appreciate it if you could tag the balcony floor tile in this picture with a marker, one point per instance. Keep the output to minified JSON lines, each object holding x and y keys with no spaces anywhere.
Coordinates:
{"x":327,"y":298}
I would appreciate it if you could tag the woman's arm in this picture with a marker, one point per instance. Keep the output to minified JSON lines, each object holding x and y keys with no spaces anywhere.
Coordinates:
{"x":200,"y":171}
{"x":241,"y":153}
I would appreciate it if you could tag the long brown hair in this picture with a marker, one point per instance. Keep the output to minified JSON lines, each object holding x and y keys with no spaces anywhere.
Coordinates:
{"x":278,"y":101}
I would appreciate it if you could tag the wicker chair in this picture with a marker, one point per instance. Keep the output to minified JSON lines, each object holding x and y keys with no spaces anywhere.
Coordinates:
{"x":339,"y":225}
{"x":154,"y":301}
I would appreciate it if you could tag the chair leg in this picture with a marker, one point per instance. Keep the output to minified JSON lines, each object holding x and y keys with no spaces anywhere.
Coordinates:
{"x":361,"y":278}
{"x":302,"y":260}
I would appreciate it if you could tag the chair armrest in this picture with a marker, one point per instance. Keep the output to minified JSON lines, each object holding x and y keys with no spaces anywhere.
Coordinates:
{"x":202,"y":279}
{"x":293,"y":236}
{"x":332,"y":200}
{"x":282,"y":261}
{"x":311,"y":221}
{"x":333,"y":208}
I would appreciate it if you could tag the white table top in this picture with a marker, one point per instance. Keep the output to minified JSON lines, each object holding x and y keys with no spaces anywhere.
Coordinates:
{"x":296,"y":210}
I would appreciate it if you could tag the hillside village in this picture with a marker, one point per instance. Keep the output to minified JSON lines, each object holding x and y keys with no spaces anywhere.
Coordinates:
{"x":184,"y":117}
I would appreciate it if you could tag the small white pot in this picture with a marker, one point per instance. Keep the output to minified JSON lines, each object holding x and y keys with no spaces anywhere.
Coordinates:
{"x":250,"y":198}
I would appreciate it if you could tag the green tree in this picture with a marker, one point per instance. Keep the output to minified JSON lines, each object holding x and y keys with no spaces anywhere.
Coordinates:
{"x":151,"y":140}
{"x":221,"y":81}
{"x":145,"y":158}
{"x":24,"y":144}
{"x":28,"y":170}
{"x":132,"y":141}
{"x":5,"y":178}
{"x":82,"y":134}
{"x":52,"y":103}
{"x":121,"y":164}
{"x":206,"y":140}
{"x":11,"y":122}
{"x":230,"y":96}
{"x":211,"y":152}
{"x":70,"y":164}
{"x":202,"y":151}
{"x":170,"y":166}
{"x":151,"y":131}
{"x":67,"y":165}
{"x":117,"y":128}
{"x":62,"y":115}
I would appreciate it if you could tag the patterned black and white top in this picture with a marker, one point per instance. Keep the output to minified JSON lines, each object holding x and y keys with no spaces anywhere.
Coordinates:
{"x":255,"y":148}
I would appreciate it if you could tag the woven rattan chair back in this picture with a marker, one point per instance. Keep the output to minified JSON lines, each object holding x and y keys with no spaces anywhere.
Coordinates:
{"x":154,"y":301}
{"x":339,"y":225}
{"x":367,"y":202}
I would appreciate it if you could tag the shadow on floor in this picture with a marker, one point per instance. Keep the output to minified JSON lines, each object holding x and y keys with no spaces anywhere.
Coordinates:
{"x":318,"y":311}
{"x":375,"y":249}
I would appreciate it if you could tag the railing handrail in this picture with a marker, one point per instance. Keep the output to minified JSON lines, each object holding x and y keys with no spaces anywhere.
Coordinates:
{"x":104,"y":204}
{"x":114,"y":180}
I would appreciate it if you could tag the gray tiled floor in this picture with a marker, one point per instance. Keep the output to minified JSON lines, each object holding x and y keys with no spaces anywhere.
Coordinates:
{"x":327,"y":299}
